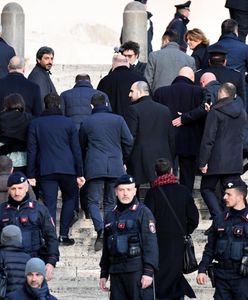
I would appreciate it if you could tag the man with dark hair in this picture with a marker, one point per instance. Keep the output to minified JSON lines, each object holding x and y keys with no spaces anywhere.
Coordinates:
{"x":41,"y":72}
{"x":163,"y":65}
{"x":131,"y":50}
{"x":15,"y":82}
{"x":107,"y":143}
{"x":169,"y":280}
{"x":227,"y":245}
{"x":239,"y":12}
{"x":179,"y":23}
{"x":224,"y":129}
{"x":7,"y":52}
{"x":54,"y":156}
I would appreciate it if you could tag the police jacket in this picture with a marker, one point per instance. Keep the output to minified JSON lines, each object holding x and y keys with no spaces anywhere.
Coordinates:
{"x":130,"y":242}
{"x":14,"y":257}
{"x":29,"y":293}
{"x":38,"y":231}
{"x":227,"y":239}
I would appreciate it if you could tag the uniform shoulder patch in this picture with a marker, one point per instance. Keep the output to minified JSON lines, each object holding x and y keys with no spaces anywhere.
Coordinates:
{"x":152,"y":226}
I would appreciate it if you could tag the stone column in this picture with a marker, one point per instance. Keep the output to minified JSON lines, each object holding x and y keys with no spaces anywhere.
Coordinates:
{"x":13,"y":23}
{"x":135,"y":26}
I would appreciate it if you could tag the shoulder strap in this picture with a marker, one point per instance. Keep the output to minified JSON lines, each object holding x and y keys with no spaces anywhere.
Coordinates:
{"x":172,"y":210}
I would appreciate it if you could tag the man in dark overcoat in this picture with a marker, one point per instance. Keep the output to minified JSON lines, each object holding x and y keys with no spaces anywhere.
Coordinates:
{"x":151,"y":126}
{"x":117,"y":84}
{"x":183,"y":96}
{"x":107,"y":143}
{"x":169,"y":280}
{"x":221,"y":151}
{"x":7,"y":52}
{"x":16,"y":82}
{"x":54,"y":157}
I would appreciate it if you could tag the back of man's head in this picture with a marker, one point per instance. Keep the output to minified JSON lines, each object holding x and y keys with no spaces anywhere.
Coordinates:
{"x":83,"y":76}
{"x":6,"y":164}
{"x":119,"y":60}
{"x":16,"y":64}
{"x":162,"y":166}
{"x":206,"y":78}
{"x":52,"y":100}
{"x":229,"y":26}
{"x":130,"y":45}
{"x":227,"y":90}
{"x":98,"y":99}
{"x":170,"y":36}
{"x":187,"y":72}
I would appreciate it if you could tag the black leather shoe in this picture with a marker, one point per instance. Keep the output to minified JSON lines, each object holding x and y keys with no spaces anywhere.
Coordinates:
{"x":99,"y":241}
{"x":65,"y":241}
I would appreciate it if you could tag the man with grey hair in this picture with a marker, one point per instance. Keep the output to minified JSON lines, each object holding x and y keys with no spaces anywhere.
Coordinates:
{"x":117,"y":84}
{"x":15,"y":82}
{"x":151,"y":126}
{"x":6,"y":53}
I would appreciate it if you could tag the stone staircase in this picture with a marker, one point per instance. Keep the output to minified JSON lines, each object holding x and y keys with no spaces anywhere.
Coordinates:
{"x":77,"y":273}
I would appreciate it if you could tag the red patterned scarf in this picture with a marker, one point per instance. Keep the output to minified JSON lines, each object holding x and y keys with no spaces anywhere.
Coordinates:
{"x":165,"y":179}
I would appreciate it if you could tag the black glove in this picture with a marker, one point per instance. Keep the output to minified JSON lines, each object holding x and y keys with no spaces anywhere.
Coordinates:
{"x":244,"y":263}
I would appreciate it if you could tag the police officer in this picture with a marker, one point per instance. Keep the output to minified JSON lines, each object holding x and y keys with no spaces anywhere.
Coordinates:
{"x":130,"y":251}
{"x":228,"y":246}
{"x":37,"y":227}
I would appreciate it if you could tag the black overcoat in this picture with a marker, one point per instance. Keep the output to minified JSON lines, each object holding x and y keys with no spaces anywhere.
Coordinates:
{"x":169,"y":280}
{"x":151,"y":127}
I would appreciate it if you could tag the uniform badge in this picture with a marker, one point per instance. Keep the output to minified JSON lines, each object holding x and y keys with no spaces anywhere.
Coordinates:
{"x":121,"y":225}
{"x":5,"y":220}
{"x":152,"y":226}
{"x":23,"y":219}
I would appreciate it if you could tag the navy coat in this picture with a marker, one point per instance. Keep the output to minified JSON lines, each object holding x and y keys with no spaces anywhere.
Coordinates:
{"x":108,"y":142}
{"x":53,"y":146}
{"x":75,"y":103}
{"x":7,"y":52}
{"x":222,"y":141}
{"x":15,"y":259}
{"x":151,"y":126}
{"x":42,"y":77}
{"x":183,"y":96}
{"x":240,"y":4}
{"x":15,"y":82}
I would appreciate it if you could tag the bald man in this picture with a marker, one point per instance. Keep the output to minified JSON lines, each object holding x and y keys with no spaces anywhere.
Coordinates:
{"x":211,"y":86}
{"x":15,"y":82}
{"x":183,"y":96}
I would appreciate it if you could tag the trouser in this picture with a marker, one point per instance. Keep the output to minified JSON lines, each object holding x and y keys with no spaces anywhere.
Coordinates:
{"x":231,"y":289}
{"x":241,"y":17}
{"x":49,"y":185}
{"x":208,"y":185}
{"x":95,"y":189}
{"x":83,"y":198}
{"x":187,"y":170}
{"x":127,"y":286}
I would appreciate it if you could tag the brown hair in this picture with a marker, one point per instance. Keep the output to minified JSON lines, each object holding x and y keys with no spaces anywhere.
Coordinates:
{"x":196,"y":35}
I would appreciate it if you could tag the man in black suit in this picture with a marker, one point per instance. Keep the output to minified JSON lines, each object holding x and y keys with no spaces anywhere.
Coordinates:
{"x":15,"y":82}
{"x":131,"y":50}
{"x":7,"y":52}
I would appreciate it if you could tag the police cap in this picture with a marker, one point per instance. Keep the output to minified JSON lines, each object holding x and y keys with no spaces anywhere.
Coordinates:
{"x":233,"y":183}
{"x":124,"y":179}
{"x":217,"y":48}
{"x":16,"y":178}
{"x":183,"y":5}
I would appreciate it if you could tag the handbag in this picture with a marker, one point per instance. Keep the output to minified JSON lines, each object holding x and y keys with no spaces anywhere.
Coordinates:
{"x":3,"y":278}
{"x":189,"y":260}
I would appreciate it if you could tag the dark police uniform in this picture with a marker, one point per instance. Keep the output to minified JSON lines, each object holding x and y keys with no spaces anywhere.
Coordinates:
{"x":226,"y":245}
{"x":129,"y":251}
{"x":37,"y":227}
